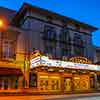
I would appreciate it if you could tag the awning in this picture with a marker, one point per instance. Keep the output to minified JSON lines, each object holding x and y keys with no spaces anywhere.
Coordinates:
{"x":10,"y":71}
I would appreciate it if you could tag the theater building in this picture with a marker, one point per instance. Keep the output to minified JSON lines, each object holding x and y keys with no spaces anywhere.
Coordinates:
{"x":56,"y":76}
{"x":65,"y":40}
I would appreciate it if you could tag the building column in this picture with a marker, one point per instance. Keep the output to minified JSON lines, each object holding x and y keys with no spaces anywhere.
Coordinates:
{"x":62,"y":83}
{"x":96,"y":81}
{"x":20,"y":82}
{"x":26,"y":77}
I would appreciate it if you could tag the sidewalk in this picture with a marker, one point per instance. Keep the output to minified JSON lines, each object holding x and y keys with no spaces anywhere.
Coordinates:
{"x":47,"y":97}
{"x":70,"y":96}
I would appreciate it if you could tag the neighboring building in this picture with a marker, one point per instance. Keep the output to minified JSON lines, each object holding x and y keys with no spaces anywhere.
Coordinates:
{"x":33,"y":28}
{"x":97,"y":58}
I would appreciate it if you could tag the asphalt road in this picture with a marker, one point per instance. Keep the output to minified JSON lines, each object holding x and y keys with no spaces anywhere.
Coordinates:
{"x":41,"y":98}
{"x":81,"y":98}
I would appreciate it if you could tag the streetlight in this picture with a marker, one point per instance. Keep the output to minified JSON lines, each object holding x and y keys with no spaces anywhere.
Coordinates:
{"x":3,"y":24}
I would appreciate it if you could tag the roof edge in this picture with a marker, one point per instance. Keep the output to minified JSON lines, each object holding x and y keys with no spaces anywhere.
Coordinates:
{"x":30,"y":6}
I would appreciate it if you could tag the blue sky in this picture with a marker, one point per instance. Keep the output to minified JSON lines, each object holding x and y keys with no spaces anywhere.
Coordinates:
{"x":87,"y":11}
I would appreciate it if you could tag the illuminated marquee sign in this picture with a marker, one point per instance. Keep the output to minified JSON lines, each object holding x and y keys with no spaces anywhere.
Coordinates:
{"x":45,"y":61}
{"x":82,"y":60}
{"x":35,"y":54}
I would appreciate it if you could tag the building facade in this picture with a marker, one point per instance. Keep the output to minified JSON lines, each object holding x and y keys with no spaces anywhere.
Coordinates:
{"x":54,"y":35}
{"x":57,"y":35}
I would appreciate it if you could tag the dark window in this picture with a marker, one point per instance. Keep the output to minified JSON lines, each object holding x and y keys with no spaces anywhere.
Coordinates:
{"x":64,"y":36}
{"x":78,"y":45}
{"x":49,"y":32}
{"x":78,"y":51}
{"x":32,"y":80}
{"x":78,"y":39}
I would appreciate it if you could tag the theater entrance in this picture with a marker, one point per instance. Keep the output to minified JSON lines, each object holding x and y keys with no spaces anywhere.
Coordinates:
{"x":81,"y":82}
{"x":67,"y":84}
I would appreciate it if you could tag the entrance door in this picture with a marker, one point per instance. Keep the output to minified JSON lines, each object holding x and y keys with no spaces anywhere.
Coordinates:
{"x":54,"y":85}
{"x":76,"y":83}
{"x":5,"y":84}
{"x":67,"y":84}
{"x":1,"y":80}
{"x":81,"y":82}
{"x":43,"y":83}
{"x":84,"y":82}
{"x":92,"y":82}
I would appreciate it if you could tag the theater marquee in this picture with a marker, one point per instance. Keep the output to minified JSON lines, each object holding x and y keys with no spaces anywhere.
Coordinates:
{"x":45,"y":61}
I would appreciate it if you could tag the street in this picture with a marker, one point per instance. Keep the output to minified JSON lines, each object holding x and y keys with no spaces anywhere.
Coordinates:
{"x":86,"y":98}
{"x":81,"y":98}
{"x":49,"y":98}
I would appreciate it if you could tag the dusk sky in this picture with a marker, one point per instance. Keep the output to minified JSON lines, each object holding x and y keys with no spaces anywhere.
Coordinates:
{"x":87,"y":11}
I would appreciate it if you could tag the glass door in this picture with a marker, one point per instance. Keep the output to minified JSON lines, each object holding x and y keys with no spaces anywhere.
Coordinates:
{"x":43,"y":83}
{"x":67,"y":84}
{"x":76,"y":83}
{"x":54,"y":85}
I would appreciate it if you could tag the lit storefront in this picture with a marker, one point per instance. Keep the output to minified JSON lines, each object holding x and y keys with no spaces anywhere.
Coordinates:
{"x":10,"y":78}
{"x":55,"y":76}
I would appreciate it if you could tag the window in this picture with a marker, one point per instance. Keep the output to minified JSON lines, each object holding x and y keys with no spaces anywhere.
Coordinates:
{"x":79,"y":51}
{"x":78,"y":45}
{"x":50,"y":32}
{"x":78,"y":39}
{"x":64,"y":52}
{"x":64,"y":36}
{"x":50,"y":50}
{"x":7,"y":49}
